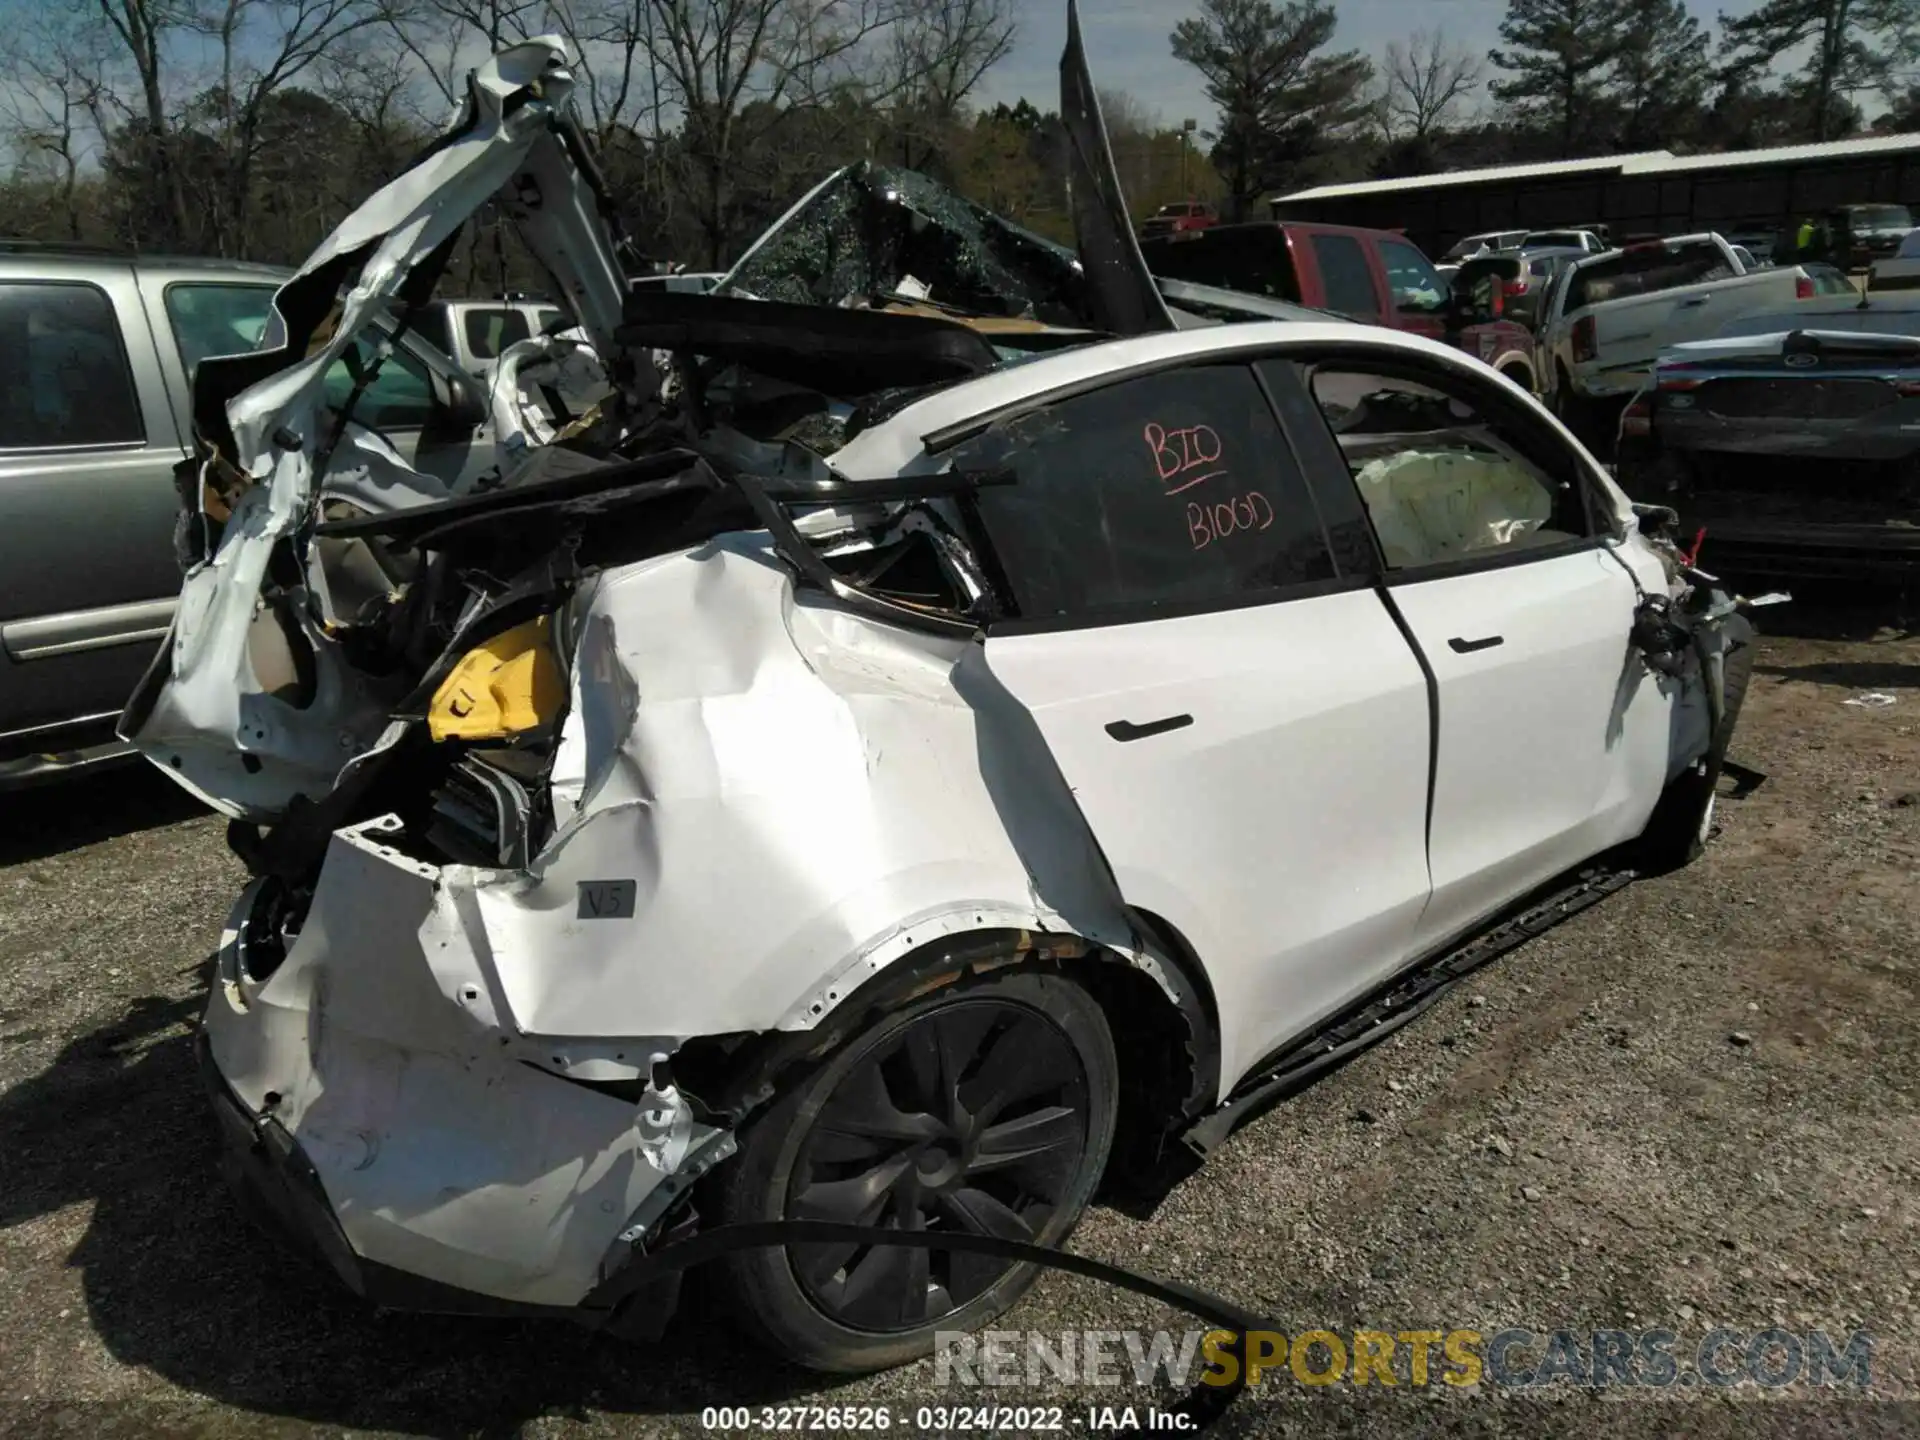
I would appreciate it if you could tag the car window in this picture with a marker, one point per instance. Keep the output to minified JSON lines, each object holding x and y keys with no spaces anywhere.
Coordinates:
{"x":64,"y":378}
{"x":217,"y":319}
{"x":1441,"y":479}
{"x":1416,"y":286}
{"x":1829,"y":280}
{"x":1646,"y":270}
{"x":1171,"y":490}
{"x":547,"y":318}
{"x":1252,"y":259}
{"x":490,"y":331}
{"x":400,"y":397}
{"x":430,"y":324}
{"x":1345,"y":276}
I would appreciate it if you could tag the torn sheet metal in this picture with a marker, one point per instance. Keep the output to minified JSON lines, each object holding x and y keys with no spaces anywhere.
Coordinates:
{"x":446,"y":1142}
{"x":1124,"y":298}
{"x":251,"y":705}
{"x":776,"y":736}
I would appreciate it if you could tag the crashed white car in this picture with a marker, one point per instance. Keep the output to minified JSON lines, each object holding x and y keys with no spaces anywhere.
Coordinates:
{"x":925,"y":741}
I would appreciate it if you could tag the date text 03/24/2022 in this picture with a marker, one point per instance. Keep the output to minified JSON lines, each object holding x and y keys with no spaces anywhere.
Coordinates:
{"x":947,"y":1419}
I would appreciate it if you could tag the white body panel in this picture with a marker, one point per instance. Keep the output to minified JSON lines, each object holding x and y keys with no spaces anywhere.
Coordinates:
{"x":1553,"y":742}
{"x":1281,"y":831}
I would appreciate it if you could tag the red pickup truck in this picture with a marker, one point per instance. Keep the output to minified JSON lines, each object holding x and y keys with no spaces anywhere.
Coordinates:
{"x":1370,"y":275}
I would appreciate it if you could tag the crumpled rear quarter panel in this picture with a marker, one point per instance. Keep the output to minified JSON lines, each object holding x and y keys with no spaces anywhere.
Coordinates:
{"x":442,"y":1151}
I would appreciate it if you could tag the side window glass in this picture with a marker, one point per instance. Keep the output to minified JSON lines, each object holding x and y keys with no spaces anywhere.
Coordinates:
{"x":400,"y":397}
{"x":1441,"y":480}
{"x":217,"y":319}
{"x":1345,"y":276}
{"x":491,"y":331}
{"x":64,"y":378}
{"x":1175,"y":489}
{"x":1417,"y":287}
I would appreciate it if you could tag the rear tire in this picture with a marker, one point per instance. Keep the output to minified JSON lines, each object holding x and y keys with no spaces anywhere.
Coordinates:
{"x":987,"y":1105}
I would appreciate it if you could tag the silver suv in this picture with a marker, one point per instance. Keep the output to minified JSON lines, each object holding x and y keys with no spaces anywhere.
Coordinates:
{"x":96,"y":355}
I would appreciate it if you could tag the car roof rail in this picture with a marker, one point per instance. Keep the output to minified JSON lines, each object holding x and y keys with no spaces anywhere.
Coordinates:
{"x":21,"y":245}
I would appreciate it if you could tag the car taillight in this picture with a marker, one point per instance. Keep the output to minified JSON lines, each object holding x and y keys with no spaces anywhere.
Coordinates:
{"x":1680,"y":382}
{"x":1583,"y":346}
{"x":1497,"y":298}
{"x":1908,"y":388}
{"x":1803,"y":287}
{"x":1637,"y":418}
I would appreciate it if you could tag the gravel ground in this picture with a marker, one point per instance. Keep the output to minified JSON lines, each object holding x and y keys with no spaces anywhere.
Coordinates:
{"x":1692,"y":1106}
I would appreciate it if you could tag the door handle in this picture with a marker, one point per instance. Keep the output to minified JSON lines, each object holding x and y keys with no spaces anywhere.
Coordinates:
{"x":1125,"y":730}
{"x":1463,"y":646}
{"x":1696,"y":300}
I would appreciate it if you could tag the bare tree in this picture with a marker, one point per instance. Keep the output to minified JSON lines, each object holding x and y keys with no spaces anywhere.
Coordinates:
{"x":733,"y":69}
{"x":143,"y":29}
{"x":1427,"y":82}
{"x":263,"y":48}
{"x":53,"y":102}
{"x":945,"y":48}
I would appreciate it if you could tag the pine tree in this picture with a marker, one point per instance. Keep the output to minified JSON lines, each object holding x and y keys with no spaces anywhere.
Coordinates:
{"x":1557,"y":53}
{"x":1280,"y":98}
{"x":1659,"y":80}
{"x":1851,"y":46}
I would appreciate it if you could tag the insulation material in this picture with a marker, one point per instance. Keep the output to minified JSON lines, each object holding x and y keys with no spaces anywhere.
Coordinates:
{"x":1435,"y":505}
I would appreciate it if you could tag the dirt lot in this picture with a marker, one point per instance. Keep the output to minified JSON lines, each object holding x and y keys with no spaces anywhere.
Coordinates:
{"x":1692,"y":1106}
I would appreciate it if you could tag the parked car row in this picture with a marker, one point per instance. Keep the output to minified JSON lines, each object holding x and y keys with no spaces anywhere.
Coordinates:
{"x":1373,"y":276}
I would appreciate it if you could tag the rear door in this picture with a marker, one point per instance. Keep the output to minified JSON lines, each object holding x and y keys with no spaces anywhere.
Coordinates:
{"x":1242,"y":724}
{"x":1552,"y":737}
{"x":87,"y":449}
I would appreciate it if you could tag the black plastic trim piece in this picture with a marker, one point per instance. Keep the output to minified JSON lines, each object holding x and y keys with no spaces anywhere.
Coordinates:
{"x":1140,"y":612}
{"x":1462,"y":646}
{"x":1433,"y":707}
{"x":1125,"y":730}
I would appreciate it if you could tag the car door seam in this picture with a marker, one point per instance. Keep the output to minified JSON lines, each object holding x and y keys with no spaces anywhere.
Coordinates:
{"x":1433,"y":707}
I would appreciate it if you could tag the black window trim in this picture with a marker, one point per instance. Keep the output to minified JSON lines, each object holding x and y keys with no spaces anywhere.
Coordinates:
{"x":1393,"y":363}
{"x":94,"y":447}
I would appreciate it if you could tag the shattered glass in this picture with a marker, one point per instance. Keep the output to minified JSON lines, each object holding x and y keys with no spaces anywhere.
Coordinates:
{"x":872,"y":227}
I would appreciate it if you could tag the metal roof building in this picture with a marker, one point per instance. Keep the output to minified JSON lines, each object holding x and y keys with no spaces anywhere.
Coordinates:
{"x":1653,"y":192}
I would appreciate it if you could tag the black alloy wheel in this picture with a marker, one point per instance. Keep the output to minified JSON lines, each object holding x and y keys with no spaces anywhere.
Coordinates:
{"x":972,"y":1117}
{"x":985,"y":1107}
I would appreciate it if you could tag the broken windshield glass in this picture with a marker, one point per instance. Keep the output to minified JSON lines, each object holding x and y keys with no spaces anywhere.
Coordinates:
{"x":873,"y":230}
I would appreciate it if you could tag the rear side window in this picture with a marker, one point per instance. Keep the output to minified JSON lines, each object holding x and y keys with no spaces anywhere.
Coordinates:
{"x":1442,"y":479}
{"x":1646,"y":271}
{"x":1345,"y":276}
{"x":64,"y":379}
{"x":491,"y":331}
{"x":1252,"y":259}
{"x":1175,"y":490}
{"x":217,"y":319}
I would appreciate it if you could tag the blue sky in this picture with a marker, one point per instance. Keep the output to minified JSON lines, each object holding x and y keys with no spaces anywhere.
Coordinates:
{"x":1127,"y":44}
